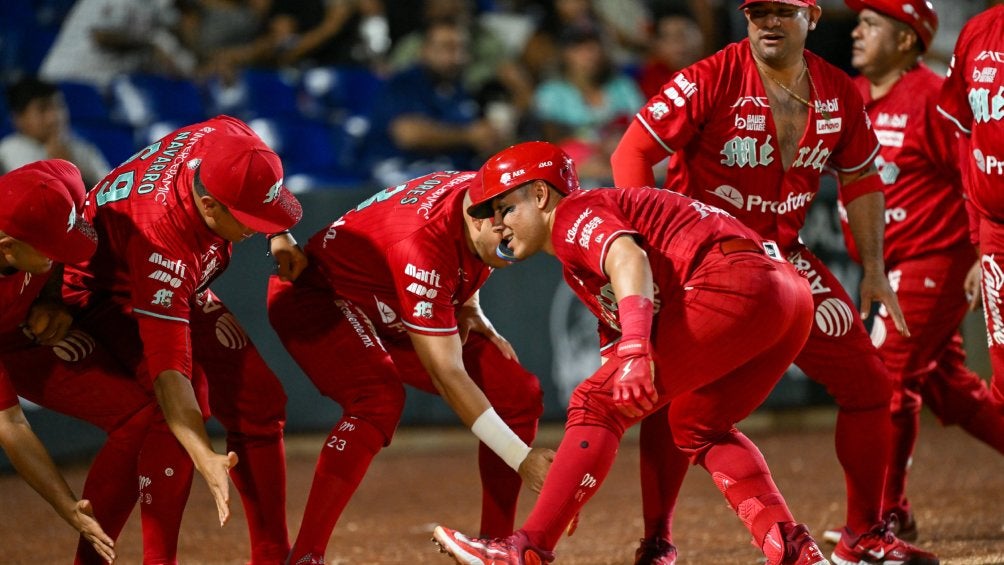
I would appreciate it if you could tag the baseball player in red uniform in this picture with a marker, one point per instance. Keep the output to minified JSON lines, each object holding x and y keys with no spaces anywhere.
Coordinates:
{"x":972,"y":98}
{"x":39,"y":224}
{"x":751,"y":129}
{"x":392,"y":287}
{"x":927,"y":250}
{"x":674,"y":282}
{"x":166,"y":219}
{"x":65,"y":370}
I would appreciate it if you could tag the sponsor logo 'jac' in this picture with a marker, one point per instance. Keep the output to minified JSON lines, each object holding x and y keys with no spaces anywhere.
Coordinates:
{"x":428,"y":277}
{"x":570,"y":234}
{"x":757,"y":101}
{"x":995,"y":56}
{"x":422,"y":290}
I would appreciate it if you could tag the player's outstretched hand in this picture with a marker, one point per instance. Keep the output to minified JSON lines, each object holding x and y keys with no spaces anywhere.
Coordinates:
{"x":875,"y":287}
{"x":215,"y":469}
{"x":85,"y":523}
{"x":290,"y":260}
{"x":973,"y":286}
{"x":634,"y":383}
{"x":534,"y":468}
{"x":48,"y":322}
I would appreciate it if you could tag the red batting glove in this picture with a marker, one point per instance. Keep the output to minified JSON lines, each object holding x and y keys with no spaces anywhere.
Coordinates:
{"x":634,"y":384}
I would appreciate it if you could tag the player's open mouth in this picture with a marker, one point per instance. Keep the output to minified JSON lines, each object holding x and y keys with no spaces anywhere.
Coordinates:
{"x":505,"y":252}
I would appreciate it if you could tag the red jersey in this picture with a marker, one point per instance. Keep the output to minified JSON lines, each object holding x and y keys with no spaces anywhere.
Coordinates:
{"x":714,"y":119}
{"x":155,"y":251}
{"x":17,"y":293}
{"x":919,"y":166}
{"x":675,"y":232}
{"x":973,"y":99}
{"x":401,"y":257}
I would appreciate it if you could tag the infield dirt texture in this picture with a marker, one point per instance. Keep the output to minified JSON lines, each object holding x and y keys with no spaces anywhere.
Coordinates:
{"x":429,"y":475}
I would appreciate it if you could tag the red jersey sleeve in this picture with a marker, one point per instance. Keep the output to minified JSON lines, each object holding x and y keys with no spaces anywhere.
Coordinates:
{"x":858,"y":145}
{"x":163,"y":284}
{"x":425,"y":282}
{"x":953,"y":102}
{"x":583,"y":231}
{"x":675,"y":115}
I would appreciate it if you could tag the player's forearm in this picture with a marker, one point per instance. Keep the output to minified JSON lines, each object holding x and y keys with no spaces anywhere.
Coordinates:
{"x":181,"y":410}
{"x":866,"y":218}
{"x":31,"y":460}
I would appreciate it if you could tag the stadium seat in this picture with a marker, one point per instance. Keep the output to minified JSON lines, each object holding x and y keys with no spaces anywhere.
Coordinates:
{"x":84,"y":102}
{"x":341,"y":91}
{"x":270,"y":94}
{"x":140,"y":99}
{"x":316,"y":154}
{"x":115,"y":141}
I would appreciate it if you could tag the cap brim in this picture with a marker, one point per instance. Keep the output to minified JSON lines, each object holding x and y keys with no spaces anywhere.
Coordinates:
{"x":75,"y":246}
{"x":276,"y":217}
{"x":481,"y":211}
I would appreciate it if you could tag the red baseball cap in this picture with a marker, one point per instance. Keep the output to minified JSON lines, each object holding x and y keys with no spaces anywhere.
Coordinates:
{"x":246,"y":176}
{"x":799,"y":3}
{"x":918,"y":14}
{"x":41,"y":207}
{"x":515,"y":166}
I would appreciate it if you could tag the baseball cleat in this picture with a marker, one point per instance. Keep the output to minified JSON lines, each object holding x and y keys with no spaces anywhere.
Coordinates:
{"x":904,"y":527}
{"x":513,"y":550}
{"x":655,"y":551}
{"x":879,"y":547}
{"x":791,"y":544}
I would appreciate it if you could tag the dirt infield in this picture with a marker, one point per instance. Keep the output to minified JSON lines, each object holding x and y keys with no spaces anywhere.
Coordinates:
{"x":429,"y":476}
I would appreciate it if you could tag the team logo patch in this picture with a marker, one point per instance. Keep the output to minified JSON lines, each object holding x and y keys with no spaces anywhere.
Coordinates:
{"x":74,"y":347}
{"x":834,"y":317}
{"x":229,"y":333}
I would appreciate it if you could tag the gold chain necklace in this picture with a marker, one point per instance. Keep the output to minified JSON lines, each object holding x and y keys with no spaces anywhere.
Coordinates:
{"x":812,"y":87}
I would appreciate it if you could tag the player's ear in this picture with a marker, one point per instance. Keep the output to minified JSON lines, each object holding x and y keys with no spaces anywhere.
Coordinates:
{"x":815,"y":12}
{"x":541,"y":192}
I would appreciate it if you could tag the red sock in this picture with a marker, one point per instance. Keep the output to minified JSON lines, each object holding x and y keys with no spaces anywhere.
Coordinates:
{"x":579,"y":468}
{"x":500,"y":486}
{"x":905,"y":427}
{"x":165,"y":481}
{"x":864,"y":462}
{"x":343,"y":462}
{"x":663,"y":468}
{"x":111,"y":481}
{"x":260,"y":478}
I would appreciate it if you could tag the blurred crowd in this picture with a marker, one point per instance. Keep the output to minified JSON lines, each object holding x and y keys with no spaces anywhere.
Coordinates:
{"x":363,"y":91}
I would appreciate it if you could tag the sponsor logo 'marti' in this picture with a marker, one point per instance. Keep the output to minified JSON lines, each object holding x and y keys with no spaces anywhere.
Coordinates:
{"x":175,"y":266}
{"x":428,"y":277}
{"x":680,"y":90}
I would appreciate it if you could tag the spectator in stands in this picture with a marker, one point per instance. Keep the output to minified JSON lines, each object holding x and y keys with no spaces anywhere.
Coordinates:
{"x":42,"y":122}
{"x":103,"y":38}
{"x":424,"y":120}
{"x":312,"y":33}
{"x":586,"y":109}
{"x":491,"y":73}
{"x":207,"y":27}
{"x":676,"y":43}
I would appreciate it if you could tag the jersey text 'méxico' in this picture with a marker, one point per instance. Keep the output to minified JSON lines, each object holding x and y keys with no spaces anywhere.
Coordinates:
{"x":674,"y":230}
{"x":714,"y":117}
{"x":973,"y":99}
{"x":918,"y":164}
{"x":401,"y":255}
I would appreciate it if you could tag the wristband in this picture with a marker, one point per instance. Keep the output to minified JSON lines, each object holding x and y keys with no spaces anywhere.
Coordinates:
{"x":494,"y":433}
{"x":634,"y":347}
{"x":861,"y":186}
{"x":268,"y":241}
{"x":635,"y":314}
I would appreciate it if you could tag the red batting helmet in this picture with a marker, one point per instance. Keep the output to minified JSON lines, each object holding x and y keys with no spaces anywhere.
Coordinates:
{"x":511,"y":168}
{"x":918,"y":14}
